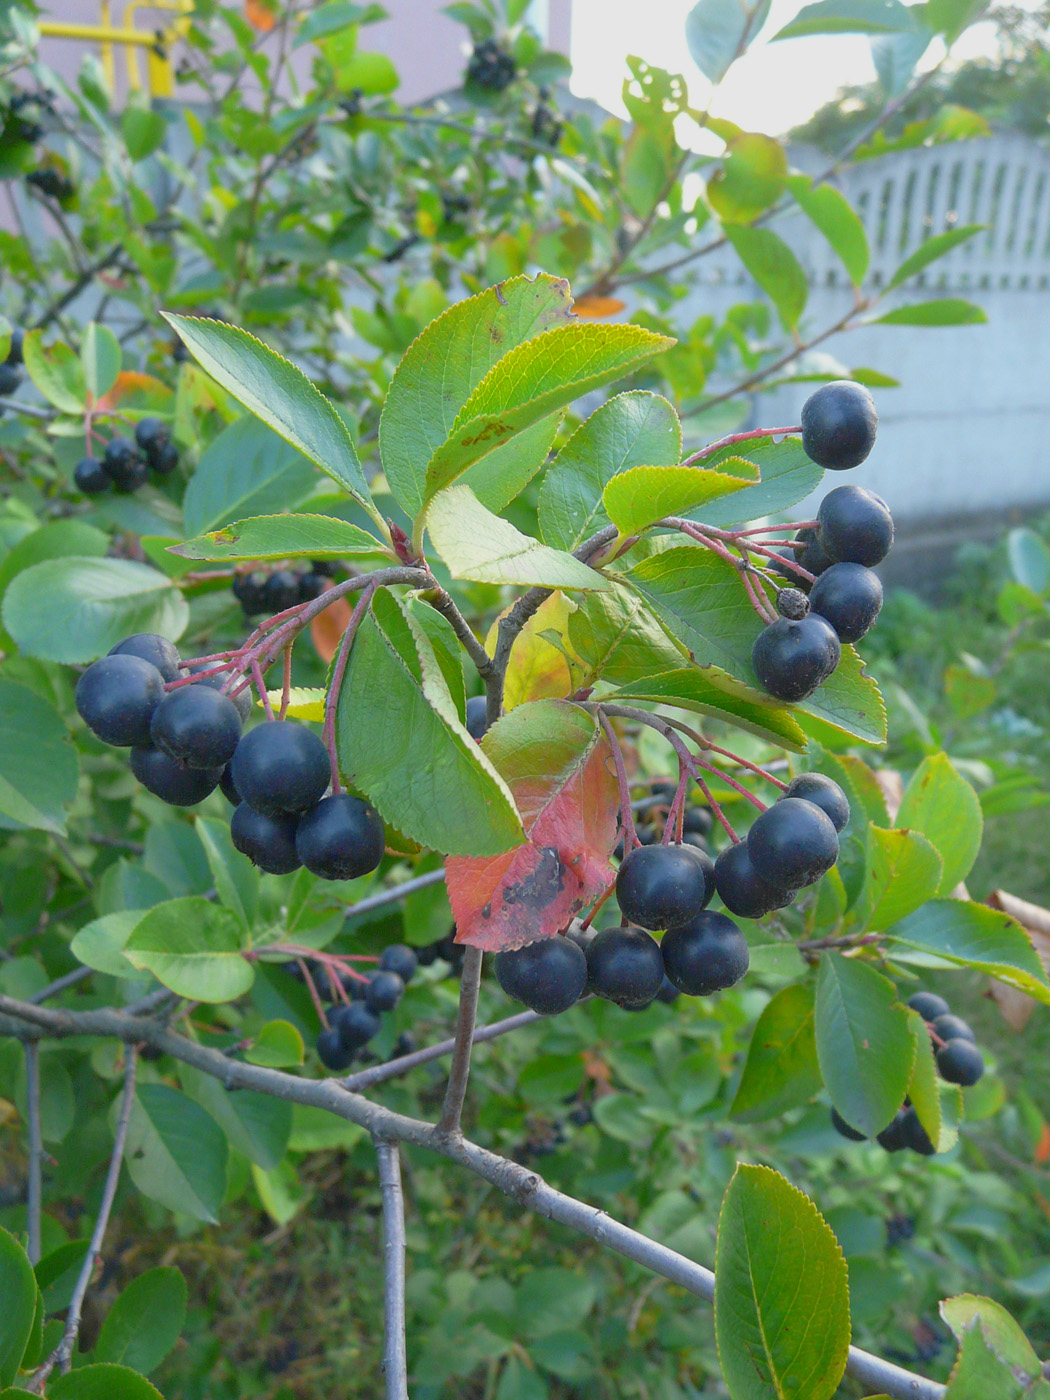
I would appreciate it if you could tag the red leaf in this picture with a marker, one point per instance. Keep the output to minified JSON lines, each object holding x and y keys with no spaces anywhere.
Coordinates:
{"x":558,"y":764}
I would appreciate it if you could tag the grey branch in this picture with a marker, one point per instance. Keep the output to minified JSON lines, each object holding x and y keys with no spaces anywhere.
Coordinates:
{"x":34,"y":1185}
{"x":459,"y":1073}
{"x":530,"y":1191}
{"x":393,"y":1069}
{"x":395,"y":1366}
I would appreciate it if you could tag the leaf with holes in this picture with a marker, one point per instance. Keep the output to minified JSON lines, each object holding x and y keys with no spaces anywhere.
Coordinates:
{"x":639,"y":497}
{"x":558,"y":764}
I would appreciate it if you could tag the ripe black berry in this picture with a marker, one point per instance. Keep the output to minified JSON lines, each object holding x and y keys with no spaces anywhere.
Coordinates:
{"x":248,"y":590}
{"x":158,"y":651}
{"x":914,"y":1134}
{"x":929,"y":1005}
{"x":163,"y":459}
{"x":793,"y":843}
{"x":849,"y":597}
{"x":950,"y":1027}
{"x":698,"y":820}
{"x":197,"y":726}
{"x":123,"y":465}
{"x":9,"y":380}
{"x":384,"y":991}
{"x":311,"y":586}
{"x":668,"y":992}
{"x":844,"y":1129}
{"x":341,"y":838}
{"x":548,"y":976}
{"x":661,"y":886}
{"x":839,"y":423}
{"x":90,"y":477}
{"x":14,"y":354}
{"x":150,"y":433}
{"x":356,"y":1023}
{"x":892,"y":1136}
{"x":267,"y":841}
{"x":624,"y":965}
{"x":582,"y":937}
{"x":281,"y":767}
{"x":476,"y":723}
{"x":171,"y":781}
{"x":960,"y":1062}
{"x":791,"y":659}
{"x":792,"y":603}
{"x":330,"y":1050}
{"x":490,"y":66}
{"x":116,"y":698}
{"x":855,"y":526}
{"x":740,"y":887}
{"x":706,"y":955}
{"x":216,"y":681}
{"x":811,"y":557}
{"x":399,"y":958}
{"x":229,"y":788}
{"x":280,"y":591}
{"x":823,"y":793}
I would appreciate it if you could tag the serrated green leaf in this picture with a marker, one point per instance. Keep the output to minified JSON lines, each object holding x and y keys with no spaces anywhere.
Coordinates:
{"x":719,"y":31}
{"x":277,"y":392}
{"x":176,"y":1153}
{"x":787,"y":477}
{"x":831,"y":212}
{"x":616,"y":635}
{"x":929,"y":251}
{"x":277,"y":1046}
{"x":38,"y":764}
{"x":282,"y":537}
{"x":904,"y":871}
{"x":941,"y":804}
{"x":475,"y":544}
{"x":925,"y":1090}
{"x":144,"y":1323}
{"x":781,"y":1292}
{"x":965,"y":934}
{"x":102,"y":1382}
{"x":194,"y":948}
{"x":945,"y":311}
{"x":56,"y":371}
{"x":774,"y":267}
{"x":100,"y":359}
{"x":634,"y":429}
{"x":639,"y":497}
{"x":781,"y":1070}
{"x":1002,"y":1333}
{"x":247,"y":470}
{"x":18,"y":1290}
{"x":980,"y":1373}
{"x":75,"y":609}
{"x":691,"y":690}
{"x":534,"y":380}
{"x":864,"y":1044}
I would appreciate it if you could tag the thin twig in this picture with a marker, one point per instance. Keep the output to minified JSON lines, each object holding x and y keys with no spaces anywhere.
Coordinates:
{"x":394,"y":893}
{"x":393,"y":1069}
{"x":61,"y":984}
{"x":470,"y":983}
{"x":395,"y":1365}
{"x":34,"y":1184}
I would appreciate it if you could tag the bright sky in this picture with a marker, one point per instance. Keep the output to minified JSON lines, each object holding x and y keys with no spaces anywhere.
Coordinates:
{"x":773,"y":87}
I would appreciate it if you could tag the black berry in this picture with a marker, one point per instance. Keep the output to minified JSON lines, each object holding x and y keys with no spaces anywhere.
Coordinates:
{"x":216,"y":681}
{"x":356,"y":1023}
{"x":280,"y":591}
{"x":384,"y":991}
{"x":892,"y":1136}
{"x":706,"y":955}
{"x":399,"y":958}
{"x":116,"y":698}
{"x":855,"y":526}
{"x":490,"y":66}
{"x":791,"y":659}
{"x":624,"y":966}
{"x":740,"y":887}
{"x":331,"y":1051}
{"x":91,"y":477}
{"x":248,"y":590}
{"x":839,"y":423}
{"x":668,"y":992}
{"x":197,"y":726}
{"x":960,"y":1062}
{"x":793,"y":843}
{"x":151,"y":433}
{"x":123,"y":465}
{"x":914,"y":1134}
{"x":950,"y":1027}
{"x":849,"y":597}
{"x":811,"y":557}
{"x":158,"y":651}
{"x":267,"y":841}
{"x":476,"y":723}
{"x":171,"y":781}
{"x":14,"y":354}
{"x":844,"y":1129}
{"x":311,"y":586}
{"x":823,"y":793}
{"x":281,"y":767}
{"x":229,"y":788}
{"x":341,"y":838}
{"x":661,"y":886}
{"x":548,"y":976}
{"x":163,"y":459}
{"x":698,"y":820}
{"x":929,"y":1005}
{"x":9,"y":379}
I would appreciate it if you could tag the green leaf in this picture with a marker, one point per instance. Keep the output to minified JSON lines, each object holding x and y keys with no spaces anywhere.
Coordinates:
{"x":941,"y":804}
{"x":831,"y":212}
{"x":100,"y":943}
{"x":980,"y":1372}
{"x":896,"y":57}
{"x":719,"y":31}
{"x":144,"y":1323}
{"x":534,"y":380}
{"x":751,"y":179}
{"x":781,"y":1071}
{"x":967,"y":1310}
{"x":194,"y":948}
{"x":691,"y":690}
{"x":925,"y":1089}
{"x":617,"y":636}
{"x":929,"y":251}
{"x":849,"y":17}
{"x":102,"y":1382}
{"x":278,"y":1045}
{"x":781,"y":1292}
{"x":644,"y":170}
{"x":281,"y":395}
{"x":445,"y":364}
{"x":38,"y":764}
{"x":176,"y":1153}
{"x":475,"y":544}
{"x":787,"y":477}
{"x":101,"y":358}
{"x":56,"y":371}
{"x":774,"y":267}
{"x":75,"y":609}
{"x":639,"y":497}
{"x":634,"y":429}
{"x":395,"y":713}
{"x":18,"y":1290}
{"x":236,"y":879}
{"x":965,"y":934}
{"x":282,"y":537}
{"x":946,"y":311}
{"x":864,"y":1044}
{"x":1029,"y":559}
{"x":904,"y":871}
{"x":951,"y":17}
{"x":256,"y":1125}
{"x":143,"y":131}
{"x":371,"y":73}
{"x":247,"y":470}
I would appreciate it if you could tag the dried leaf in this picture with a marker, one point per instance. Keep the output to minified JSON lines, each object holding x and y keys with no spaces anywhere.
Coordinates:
{"x":259,"y":14}
{"x":595,"y":308}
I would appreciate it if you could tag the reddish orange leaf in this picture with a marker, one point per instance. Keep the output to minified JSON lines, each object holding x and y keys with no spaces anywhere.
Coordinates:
{"x":259,"y":14}
{"x":559,"y":767}
{"x":1042,"y":1149}
{"x":327,"y":629}
{"x":134,"y":390}
{"x":596,"y":308}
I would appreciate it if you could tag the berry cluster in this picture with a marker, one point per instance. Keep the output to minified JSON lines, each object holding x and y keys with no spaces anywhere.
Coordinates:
{"x":52,"y":183}
{"x":491,"y":67}
{"x":260,"y":592}
{"x":126,"y":465}
{"x":186,"y":740}
{"x":789,"y":846}
{"x":362,"y":999}
{"x":854,"y":531}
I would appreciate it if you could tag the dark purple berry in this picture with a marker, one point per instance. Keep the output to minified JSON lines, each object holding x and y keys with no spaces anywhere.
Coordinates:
{"x":280,"y":591}
{"x":547,"y":976}
{"x":267,"y":841}
{"x":281,"y":767}
{"x":791,"y":659}
{"x":216,"y":681}
{"x":823,"y":793}
{"x":741,"y":889}
{"x":356,"y":1024}
{"x":91,"y":477}
{"x":661,"y":886}
{"x":950,"y":1027}
{"x":844,"y":1129}
{"x":331,"y":1051}
{"x":116,"y":698}
{"x":892,"y":1136}
{"x":123,"y":464}
{"x":855,"y":526}
{"x":158,"y":651}
{"x":849,"y":598}
{"x":839,"y":423}
{"x":476,"y":723}
{"x":197,"y":725}
{"x":915,"y":1135}
{"x":384,"y":991}
{"x":792,"y":844}
{"x":228,"y":787}
{"x":960,"y":1062}
{"x":706,"y":955}
{"x":399,"y":958}
{"x":170,"y":780}
{"x":929,"y":1005}
{"x":624,"y":966}
{"x":311,"y":586}
{"x":341,"y":838}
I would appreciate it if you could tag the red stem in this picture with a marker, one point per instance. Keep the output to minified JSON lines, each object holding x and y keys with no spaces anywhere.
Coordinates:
{"x":759,"y":604}
{"x":335,"y":685}
{"x":745,"y":763}
{"x":737,"y":787}
{"x":260,"y":686}
{"x":772,"y":529}
{"x":630,"y":835}
{"x":287,"y":687}
{"x":676,"y":811}
{"x":748,"y":436}
{"x":311,"y":988}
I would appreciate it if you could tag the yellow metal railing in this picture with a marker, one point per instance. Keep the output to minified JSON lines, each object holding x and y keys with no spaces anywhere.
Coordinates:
{"x":109,"y":36}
